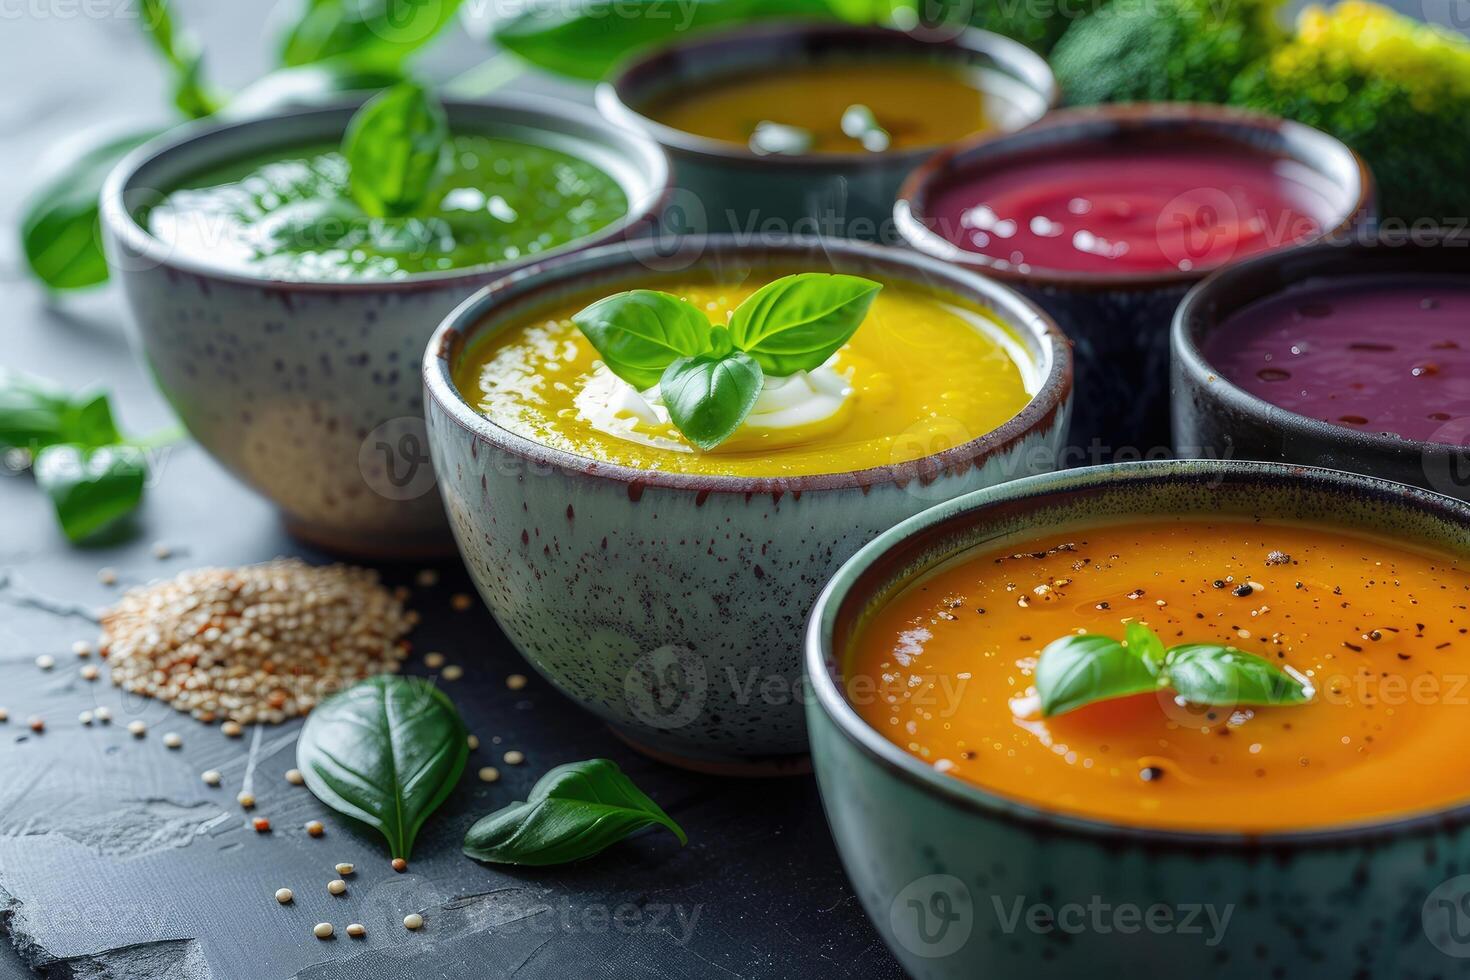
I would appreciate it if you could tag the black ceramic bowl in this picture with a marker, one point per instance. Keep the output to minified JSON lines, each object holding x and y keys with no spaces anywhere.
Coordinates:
{"x":1215,"y":418}
{"x":1120,"y":323}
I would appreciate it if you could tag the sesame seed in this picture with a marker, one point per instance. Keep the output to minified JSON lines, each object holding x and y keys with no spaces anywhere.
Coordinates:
{"x":294,"y":777}
{"x":85,"y":717}
{"x":461,"y":602}
{"x":261,"y":825}
{"x":434,"y":660}
{"x":171,"y":740}
{"x":427,"y":578}
{"x":137,"y":728}
{"x":104,"y":714}
{"x":473,"y":741}
{"x":400,"y":865}
{"x":232,"y":728}
{"x":211,"y":777}
{"x":37,"y":723}
{"x":45,"y":661}
{"x":322,"y":930}
{"x":4,"y":715}
{"x":337,"y":886}
{"x":90,"y":672}
{"x":247,"y":800}
{"x":515,"y":681}
{"x":107,"y":576}
{"x":344,"y":869}
{"x":489,"y":774}
{"x":82,"y":648}
{"x":356,"y":930}
{"x":315,"y":828}
{"x":413,"y":921}
{"x":162,"y":550}
{"x":453,"y":672}
{"x":514,"y":757}
{"x":284,"y":896}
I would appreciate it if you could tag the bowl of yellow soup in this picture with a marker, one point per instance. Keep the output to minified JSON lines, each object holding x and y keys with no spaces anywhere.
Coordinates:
{"x":663,"y":587}
{"x":1192,"y":713}
{"x":285,"y":325}
{"x":810,"y":127}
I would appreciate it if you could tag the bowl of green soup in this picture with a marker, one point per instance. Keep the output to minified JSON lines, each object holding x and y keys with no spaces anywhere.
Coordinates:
{"x":809,"y":128}
{"x":285,"y":325}
{"x":654,"y":555}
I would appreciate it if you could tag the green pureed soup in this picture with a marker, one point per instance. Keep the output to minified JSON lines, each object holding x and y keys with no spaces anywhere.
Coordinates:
{"x":290,"y":214}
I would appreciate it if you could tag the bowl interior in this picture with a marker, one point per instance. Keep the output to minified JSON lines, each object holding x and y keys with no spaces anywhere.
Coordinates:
{"x":1037,"y":507}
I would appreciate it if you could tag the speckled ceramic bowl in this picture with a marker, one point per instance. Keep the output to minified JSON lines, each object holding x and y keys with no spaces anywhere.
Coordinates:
{"x":1120,"y":323}
{"x":673,"y":605}
{"x":941,"y":866}
{"x":724,"y":187}
{"x":1217,"y":419}
{"x":310,"y":391}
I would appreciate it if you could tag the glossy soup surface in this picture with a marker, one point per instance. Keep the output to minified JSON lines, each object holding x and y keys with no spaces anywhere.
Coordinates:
{"x":915,"y":104}
{"x":925,"y":375}
{"x":1379,"y":630}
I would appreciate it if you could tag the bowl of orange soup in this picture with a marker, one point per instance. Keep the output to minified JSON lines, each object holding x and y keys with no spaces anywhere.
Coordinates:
{"x":664,"y":586}
{"x":808,"y":127}
{"x":1188,"y":713}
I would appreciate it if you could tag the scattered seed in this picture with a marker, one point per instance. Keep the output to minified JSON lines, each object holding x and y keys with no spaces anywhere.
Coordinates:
{"x":261,"y":825}
{"x":356,"y":930}
{"x":434,"y":660}
{"x":400,"y":865}
{"x":515,"y":681}
{"x":4,"y":715}
{"x":427,"y":578}
{"x":85,"y":717}
{"x":162,"y":550}
{"x":104,"y":714}
{"x":322,"y":930}
{"x":284,"y":896}
{"x":413,"y":921}
{"x":337,"y":886}
{"x":453,"y":672}
{"x":137,"y":729}
{"x":37,"y":723}
{"x":232,"y":728}
{"x":514,"y":757}
{"x":82,"y":648}
{"x":90,"y":672}
{"x":211,"y":777}
{"x":344,"y":869}
{"x":171,"y":740}
{"x":45,"y":661}
{"x":315,"y":828}
{"x":460,"y":602}
{"x":294,"y":777}
{"x":472,"y":741}
{"x":247,"y":800}
{"x":489,"y":774}
{"x":107,"y":576}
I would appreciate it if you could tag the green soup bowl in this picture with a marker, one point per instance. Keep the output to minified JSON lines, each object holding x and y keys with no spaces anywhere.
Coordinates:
{"x":672,"y":605}
{"x":963,"y":883}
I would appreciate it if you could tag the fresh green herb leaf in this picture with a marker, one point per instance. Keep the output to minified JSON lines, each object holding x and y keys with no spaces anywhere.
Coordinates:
{"x":387,"y":751}
{"x":1145,"y":644}
{"x":35,"y":414}
{"x":59,"y":228}
{"x":181,"y":50}
{"x":377,"y":34}
{"x":708,"y":396}
{"x":1076,"y":670}
{"x":573,"y":812}
{"x":91,"y":489}
{"x":641,"y":332}
{"x":394,"y":147}
{"x":308,"y":85}
{"x":1208,"y":673}
{"x":796,"y":322}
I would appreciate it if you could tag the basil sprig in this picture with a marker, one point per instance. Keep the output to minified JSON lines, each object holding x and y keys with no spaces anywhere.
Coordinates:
{"x":394,"y":147}
{"x":711,"y":376}
{"x":1080,"y":669}
{"x":387,"y":751}
{"x":573,"y":812}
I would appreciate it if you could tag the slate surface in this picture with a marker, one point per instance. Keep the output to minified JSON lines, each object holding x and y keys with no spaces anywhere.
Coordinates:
{"x":117,"y":861}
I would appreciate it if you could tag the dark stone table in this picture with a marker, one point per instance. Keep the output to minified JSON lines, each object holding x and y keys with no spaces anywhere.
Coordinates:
{"x":117,"y":861}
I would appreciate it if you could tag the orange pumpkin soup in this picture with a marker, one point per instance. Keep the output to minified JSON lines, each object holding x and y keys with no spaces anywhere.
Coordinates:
{"x":944,"y":669}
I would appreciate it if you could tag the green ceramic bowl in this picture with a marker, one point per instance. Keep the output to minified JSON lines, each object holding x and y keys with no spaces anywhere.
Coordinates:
{"x":963,"y":883}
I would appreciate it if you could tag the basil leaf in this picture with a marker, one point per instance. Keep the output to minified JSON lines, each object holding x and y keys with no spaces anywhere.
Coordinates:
{"x":641,"y":332}
{"x":585,"y":38}
{"x":387,"y":751}
{"x":91,"y":489}
{"x":376,"y":33}
{"x":710,"y":395}
{"x":1145,"y":644}
{"x":1208,"y":673}
{"x":1077,"y":670}
{"x":35,"y":414}
{"x":59,"y":227}
{"x":308,"y":85}
{"x":394,"y":146}
{"x":797,"y":322}
{"x":181,"y":50}
{"x":574,"y":811}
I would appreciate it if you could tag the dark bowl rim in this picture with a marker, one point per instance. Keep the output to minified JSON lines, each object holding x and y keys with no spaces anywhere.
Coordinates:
{"x":1188,"y":357}
{"x":822,"y":669}
{"x":1050,"y":403}
{"x":1005,"y":51}
{"x":641,"y":152}
{"x":909,"y":215}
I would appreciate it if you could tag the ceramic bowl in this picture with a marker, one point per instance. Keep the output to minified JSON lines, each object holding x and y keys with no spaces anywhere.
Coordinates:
{"x":309,"y":391}
{"x":941,"y":865}
{"x":1120,"y":323}
{"x":1217,"y":419}
{"x":672,"y":605}
{"x":724,"y":187}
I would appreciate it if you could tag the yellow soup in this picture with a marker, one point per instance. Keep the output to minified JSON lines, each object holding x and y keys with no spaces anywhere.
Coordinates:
{"x":922,"y":375}
{"x":913,"y":104}
{"x":944,"y":670}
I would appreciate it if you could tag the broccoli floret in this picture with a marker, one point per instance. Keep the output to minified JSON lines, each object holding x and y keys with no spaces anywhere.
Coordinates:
{"x":1394,"y":89}
{"x":1163,"y":50}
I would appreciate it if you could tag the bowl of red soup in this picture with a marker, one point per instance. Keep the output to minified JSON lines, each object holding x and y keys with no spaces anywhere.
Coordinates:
{"x":1354,"y":357}
{"x":1107,"y":215}
{"x":808,"y":127}
{"x":1183,"y":712}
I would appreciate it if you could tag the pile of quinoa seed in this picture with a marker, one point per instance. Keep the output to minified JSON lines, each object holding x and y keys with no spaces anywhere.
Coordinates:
{"x":260,"y":643}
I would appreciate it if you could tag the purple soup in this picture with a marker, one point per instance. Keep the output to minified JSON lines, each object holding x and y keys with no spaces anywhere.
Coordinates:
{"x":1376,"y":354}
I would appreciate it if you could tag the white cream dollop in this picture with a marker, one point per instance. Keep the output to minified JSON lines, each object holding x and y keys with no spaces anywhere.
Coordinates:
{"x":789,"y":411}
